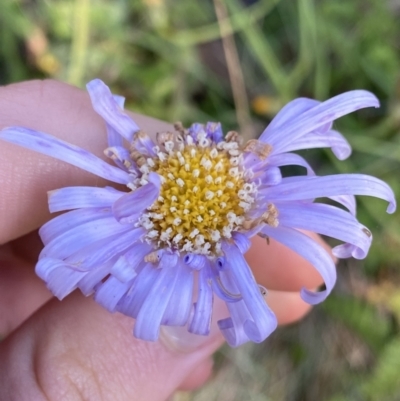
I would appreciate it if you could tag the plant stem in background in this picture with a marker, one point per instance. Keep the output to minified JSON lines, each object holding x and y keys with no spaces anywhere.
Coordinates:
{"x":259,"y":45}
{"x":80,"y":40}
{"x":235,"y":73}
{"x":235,"y":22}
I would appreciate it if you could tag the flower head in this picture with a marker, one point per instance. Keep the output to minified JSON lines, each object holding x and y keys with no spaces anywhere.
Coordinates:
{"x":160,"y":250}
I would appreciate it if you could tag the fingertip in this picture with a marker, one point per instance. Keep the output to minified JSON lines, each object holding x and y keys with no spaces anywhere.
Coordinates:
{"x":198,"y":376}
{"x":287,"y":306}
{"x":277,"y":267}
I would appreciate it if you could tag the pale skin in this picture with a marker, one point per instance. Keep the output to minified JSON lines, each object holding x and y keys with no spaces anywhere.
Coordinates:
{"x":75,"y":350}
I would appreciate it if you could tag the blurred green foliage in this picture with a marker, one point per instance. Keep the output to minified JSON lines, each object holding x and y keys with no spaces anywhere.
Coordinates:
{"x":167,"y":59}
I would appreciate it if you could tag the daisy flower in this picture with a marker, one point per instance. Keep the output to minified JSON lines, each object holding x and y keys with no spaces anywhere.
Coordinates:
{"x":163,"y":248}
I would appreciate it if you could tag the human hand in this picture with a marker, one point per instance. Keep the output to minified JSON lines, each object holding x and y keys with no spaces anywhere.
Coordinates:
{"x":75,"y":350}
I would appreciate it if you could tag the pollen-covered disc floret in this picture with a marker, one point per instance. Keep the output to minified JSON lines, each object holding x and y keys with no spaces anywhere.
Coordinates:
{"x":205,"y":192}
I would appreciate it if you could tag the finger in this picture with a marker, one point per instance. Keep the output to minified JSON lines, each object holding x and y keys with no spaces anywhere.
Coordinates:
{"x":275,"y":266}
{"x":27,"y":247}
{"x":77,"y":348}
{"x":26,"y":176}
{"x":21,"y":292}
{"x":198,"y":377}
{"x":287,"y":306}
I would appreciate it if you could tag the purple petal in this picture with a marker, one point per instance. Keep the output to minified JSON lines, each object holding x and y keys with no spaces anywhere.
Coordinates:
{"x":290,"y":159}
{"x":331,"y":139}
{"x":297,"y":188}
{"x":251,"y":161}
{"x":195,"y":262}
{"x":102,"y":251}
{"x":109,"y":293}
{"x":241,"y":241}
{"x":195,"y":129}
{"x":214,"y":132}
{"x":63,"y":280}
{"x":311,"y":251}
{"x":232,"y":328}
{"x":271,"y":176}
{"x":107,"y":107}
{"x":121,"y":157}
{"x":78,"y":237}
{"x":131,"y":303}
{"x":218,"y":286}
{"x":46,"y":265}
{"x":143,"y":144}
{"x":328,"y":220}
{"x":54,"y":147}
{"x":288,"y":112}
{"x":148,"y":321}
{"x":120,"y":100}
{"x":315,"y":118}
{"x":167,"y":259}
{"x":70,"y":220}
{"x":201,"y":319}
{"x":348,"y":201}
{"x":129,"y":207}
{"x":180,"y":303}
{"x":125,"y":267}
{"x":93,"y":278}
{"x":122,"y":270}
{"x":263,"y":321}
{"x":82,"y":197}
{"x":115,"y":139}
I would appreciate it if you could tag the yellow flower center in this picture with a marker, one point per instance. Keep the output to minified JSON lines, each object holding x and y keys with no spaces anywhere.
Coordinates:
{"x":204,"y":196}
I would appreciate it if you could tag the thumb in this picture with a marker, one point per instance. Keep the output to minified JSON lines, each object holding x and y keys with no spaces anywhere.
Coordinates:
{"x":75,"y":350}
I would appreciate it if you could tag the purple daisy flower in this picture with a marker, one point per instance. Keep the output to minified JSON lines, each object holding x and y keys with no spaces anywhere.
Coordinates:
{"x":161,"y":250}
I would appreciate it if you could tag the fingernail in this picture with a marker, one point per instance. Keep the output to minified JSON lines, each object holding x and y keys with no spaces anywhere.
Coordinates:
{"x":178,"y":339}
